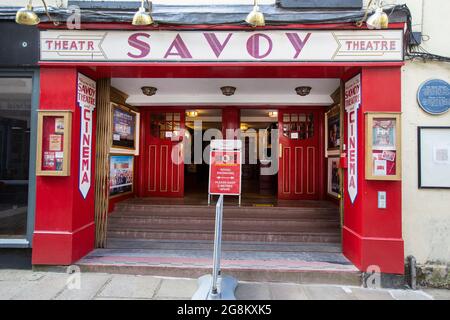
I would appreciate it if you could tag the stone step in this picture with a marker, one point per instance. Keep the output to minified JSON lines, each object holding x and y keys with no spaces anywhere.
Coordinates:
{"x":192,"y":234}
{"x":209,"y":222}
{"x":232,"y":246}
{"x":230,"y":212}
{"x":301,"y":267}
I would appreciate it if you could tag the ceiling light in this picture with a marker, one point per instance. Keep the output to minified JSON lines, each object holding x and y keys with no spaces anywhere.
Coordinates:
{"x":149,"y":91}
{"x":303,"y":90}
{"x":191,"y":113}
{"x":228,"y":90}
{"x":141,"y":17}
{"x":255,"y":18}
{"x":244,"y":127}
{"x":273,"y":114}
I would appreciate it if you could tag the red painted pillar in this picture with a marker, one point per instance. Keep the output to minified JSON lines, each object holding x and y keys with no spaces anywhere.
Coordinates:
{"x":64,"y":225}
{"x":231,"y":120}
{"x":372,"y":236}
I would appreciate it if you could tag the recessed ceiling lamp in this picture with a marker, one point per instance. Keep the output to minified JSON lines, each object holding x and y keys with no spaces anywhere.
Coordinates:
{"x":273,"y":114}
{"x":303,"y":90}
{"x":191,"y":113}
{"x":255,"y":18}
{"x":228,"y":90}
{"x":26,"y":16}
{"x":142,"y":17}
{"x":149,"y":91}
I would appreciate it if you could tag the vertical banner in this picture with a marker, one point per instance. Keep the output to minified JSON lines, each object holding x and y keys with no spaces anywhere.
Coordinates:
{"x":352,"y":103}
{"x":86,"y":95}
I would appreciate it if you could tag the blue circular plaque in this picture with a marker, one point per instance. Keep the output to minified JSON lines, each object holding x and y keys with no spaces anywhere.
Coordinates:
{"x":434,"y":96}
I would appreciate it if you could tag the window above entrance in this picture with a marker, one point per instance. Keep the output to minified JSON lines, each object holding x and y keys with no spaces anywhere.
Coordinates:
{"x":166,"y":125}
{"x":298,"y":126}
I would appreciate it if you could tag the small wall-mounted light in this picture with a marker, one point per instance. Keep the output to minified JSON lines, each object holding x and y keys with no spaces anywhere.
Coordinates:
{"x":255,"y":18}
{"x":26,"y":16}
{"x":379,"y":20}
{"x":191,"y":113}
{"x":142,"y":17}
{"x":149,"y":91}
{"x":228,"y":90}
{"x":303,"y":90}
{"x":273,"y":114}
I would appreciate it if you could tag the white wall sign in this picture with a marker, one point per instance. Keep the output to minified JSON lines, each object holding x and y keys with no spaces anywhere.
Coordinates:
{"x":209,"y":45}
{"x":352,"y":103}
{"x":86,"y":95}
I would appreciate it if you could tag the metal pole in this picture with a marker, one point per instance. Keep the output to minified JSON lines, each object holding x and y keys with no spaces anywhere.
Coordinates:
{"x":217,"y":245}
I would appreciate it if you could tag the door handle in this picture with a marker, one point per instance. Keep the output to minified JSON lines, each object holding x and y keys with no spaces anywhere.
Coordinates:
{"x":281,"y":151}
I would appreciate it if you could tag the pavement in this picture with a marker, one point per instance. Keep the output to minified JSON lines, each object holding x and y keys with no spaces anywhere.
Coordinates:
{"x":19,"y":284}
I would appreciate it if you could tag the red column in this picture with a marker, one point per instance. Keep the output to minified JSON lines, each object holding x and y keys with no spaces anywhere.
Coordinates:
{"x":231,"y":119}
{"x":372,"y":236}
{"x":64,"y":226}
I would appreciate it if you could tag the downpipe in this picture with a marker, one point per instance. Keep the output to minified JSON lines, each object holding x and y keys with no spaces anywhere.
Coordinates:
{"x":412,"y":272}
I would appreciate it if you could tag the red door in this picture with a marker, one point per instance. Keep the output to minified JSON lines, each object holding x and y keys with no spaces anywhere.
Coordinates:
{"x":164,"y":154}
{"x":300,"y":156}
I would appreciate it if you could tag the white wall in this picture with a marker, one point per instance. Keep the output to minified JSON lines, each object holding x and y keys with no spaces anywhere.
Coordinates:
{"x":426,"y":213}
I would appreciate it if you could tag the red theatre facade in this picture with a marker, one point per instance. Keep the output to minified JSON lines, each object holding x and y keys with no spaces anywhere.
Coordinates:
{"x":85,"y":71}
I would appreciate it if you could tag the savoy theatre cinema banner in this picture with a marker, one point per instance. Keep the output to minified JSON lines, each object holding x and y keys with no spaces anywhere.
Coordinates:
{"x":199,"y":45}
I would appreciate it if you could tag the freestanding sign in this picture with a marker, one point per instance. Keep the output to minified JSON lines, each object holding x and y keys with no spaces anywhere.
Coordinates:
{"x":86,"y":95}
{"x":352,"y":103}
{"x":225,"y":168}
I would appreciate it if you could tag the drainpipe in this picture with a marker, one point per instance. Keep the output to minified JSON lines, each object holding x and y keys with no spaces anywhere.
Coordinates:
{"x":412,"y":272}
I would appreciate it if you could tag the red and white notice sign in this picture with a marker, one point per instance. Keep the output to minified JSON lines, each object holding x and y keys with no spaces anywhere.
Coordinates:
{"x":352,"y":103}
{"x":86,"y":95}
{"x":225,"y":171}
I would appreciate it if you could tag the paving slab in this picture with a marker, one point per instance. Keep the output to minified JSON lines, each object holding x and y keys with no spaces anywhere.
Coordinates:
{"x":90,"y":285}
{"x":327,"y":293}
{"x":370,"y":294}
{"x":409,"y":295}
{"x":438,"y":294}
{"x":177,"y":289}
{"x":45,"y":288}
{"x":130,"y":286}
{"x":252,"y":291}
{"x":280,"y":291}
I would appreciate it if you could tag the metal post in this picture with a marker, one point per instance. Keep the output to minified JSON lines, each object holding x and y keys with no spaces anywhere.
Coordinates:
{"x":217,"y":244}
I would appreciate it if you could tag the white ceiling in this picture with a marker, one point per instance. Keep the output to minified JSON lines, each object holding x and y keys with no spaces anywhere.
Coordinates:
{"x":206,"y":91}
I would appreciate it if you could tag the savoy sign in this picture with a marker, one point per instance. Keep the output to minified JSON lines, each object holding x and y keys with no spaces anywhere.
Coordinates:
{"x":267,"y":45}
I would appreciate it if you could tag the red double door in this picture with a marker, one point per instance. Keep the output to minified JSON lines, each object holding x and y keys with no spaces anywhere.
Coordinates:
{"x":300,"y":155}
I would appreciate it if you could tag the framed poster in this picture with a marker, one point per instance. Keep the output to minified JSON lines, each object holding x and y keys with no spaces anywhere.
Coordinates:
{"x":434,"y":157}
{"x":123,"y":128}
{"x":383,"y":148}
{"x":333,"y":131}
{"x":121,"y":174}
{"x":53,"y":143}
{"x":333,"y":181}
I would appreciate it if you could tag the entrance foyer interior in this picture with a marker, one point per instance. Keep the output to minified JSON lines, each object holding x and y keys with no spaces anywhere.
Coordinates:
{"x":169,"y":202}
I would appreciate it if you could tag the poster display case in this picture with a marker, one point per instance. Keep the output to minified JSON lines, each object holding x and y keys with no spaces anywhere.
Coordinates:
{"x":121,"y":174}
{"x":53,"y":146}
{"x":383,"y":146}
{"x":123,"y":127}
{"x":333,"y":131}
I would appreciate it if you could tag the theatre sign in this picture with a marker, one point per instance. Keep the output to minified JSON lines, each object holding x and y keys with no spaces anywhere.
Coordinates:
{"x":220,"y":46}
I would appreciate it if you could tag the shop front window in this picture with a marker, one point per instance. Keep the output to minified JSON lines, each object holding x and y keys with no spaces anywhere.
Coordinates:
{"x":15,"y":112}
